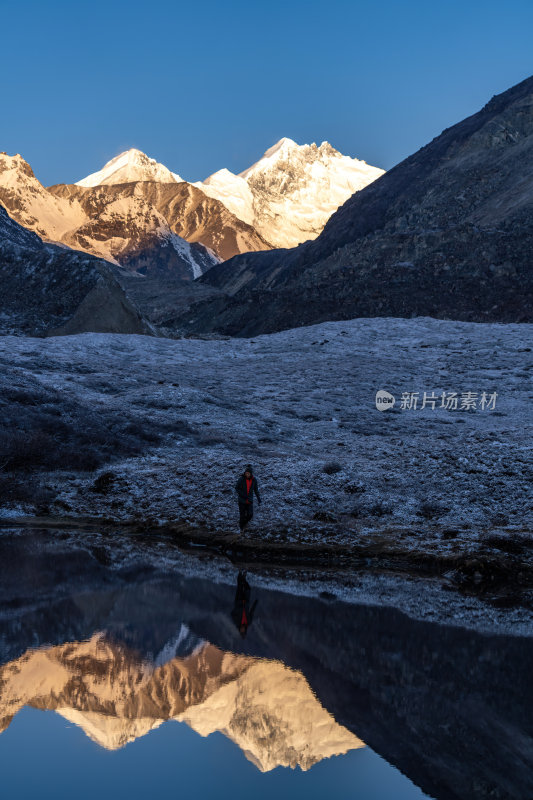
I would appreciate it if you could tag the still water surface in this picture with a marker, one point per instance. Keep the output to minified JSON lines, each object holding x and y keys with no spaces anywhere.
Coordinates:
{"x":132,"y":681}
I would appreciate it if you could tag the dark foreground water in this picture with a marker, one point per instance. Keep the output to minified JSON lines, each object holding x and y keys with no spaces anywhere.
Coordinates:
{"x":133,"y":680}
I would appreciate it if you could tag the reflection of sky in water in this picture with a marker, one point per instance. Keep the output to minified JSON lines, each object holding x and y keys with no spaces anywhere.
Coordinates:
{"x":42,"y":756}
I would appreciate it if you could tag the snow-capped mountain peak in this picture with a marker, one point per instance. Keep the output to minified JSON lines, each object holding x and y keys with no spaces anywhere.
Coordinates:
{"x":289,"y":194}
{"x":129,"y":166}
{"x":130,"y":207}
{"x":280,"y":150}
{"x":284,"y":142}
{"x":119,"y":223}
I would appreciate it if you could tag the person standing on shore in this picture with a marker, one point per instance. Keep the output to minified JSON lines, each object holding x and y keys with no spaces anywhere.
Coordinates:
{"x":246,"y":487}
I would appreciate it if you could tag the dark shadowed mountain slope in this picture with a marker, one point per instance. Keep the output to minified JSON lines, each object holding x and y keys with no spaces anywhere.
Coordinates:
{"x":447,"y":233}
{"x":53,"y":290}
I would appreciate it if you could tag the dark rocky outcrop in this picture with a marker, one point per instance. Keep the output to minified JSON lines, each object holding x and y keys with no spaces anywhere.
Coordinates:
{"x":50,"y":290}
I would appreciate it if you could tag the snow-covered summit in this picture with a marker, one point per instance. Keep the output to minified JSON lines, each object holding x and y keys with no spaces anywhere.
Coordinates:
{"x":291,"y":191}
{"x":284,"y":198}
{"x":132,"y":165}
{"x":281,"y":149}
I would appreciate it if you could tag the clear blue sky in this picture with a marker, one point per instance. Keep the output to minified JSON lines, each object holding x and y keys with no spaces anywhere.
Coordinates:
{"x":202,"y":85}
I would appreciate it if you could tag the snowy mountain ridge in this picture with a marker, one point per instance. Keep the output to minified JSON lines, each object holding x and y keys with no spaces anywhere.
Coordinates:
{"x":287,"y":196}
{"x":140,"y":215}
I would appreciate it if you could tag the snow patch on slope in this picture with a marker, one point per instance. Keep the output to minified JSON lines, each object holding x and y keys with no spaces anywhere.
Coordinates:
{"x":184,"y":249}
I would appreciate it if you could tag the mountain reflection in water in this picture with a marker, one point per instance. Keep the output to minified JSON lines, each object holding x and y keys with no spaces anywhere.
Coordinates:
{"x":267,"y":709}
{"x":120,"y":651}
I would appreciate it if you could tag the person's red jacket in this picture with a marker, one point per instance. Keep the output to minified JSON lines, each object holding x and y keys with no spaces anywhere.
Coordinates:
{"x":246,"y":489}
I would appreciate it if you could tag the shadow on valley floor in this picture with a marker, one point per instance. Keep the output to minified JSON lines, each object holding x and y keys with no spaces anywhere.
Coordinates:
{"x":450,"y":708}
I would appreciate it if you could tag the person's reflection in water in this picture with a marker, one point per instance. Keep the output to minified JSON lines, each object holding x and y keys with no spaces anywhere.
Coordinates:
{"x":243,"y":613}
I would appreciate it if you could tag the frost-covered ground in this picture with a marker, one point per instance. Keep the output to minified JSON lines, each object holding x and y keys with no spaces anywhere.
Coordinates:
{"x":300,"y":406}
